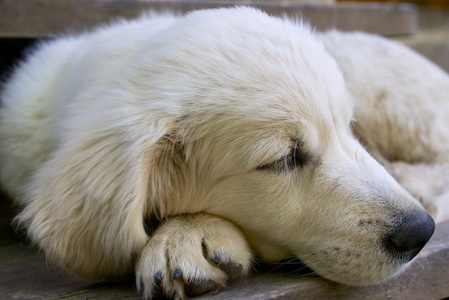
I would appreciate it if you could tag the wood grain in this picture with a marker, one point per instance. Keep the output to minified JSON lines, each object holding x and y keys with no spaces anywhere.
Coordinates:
{"x":46,"y":18}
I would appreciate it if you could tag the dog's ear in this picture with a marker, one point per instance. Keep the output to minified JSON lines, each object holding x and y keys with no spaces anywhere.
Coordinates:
{"x":87,"y":203}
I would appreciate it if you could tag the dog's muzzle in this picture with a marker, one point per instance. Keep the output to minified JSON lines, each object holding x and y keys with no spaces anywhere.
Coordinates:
{"x":407,"y":239}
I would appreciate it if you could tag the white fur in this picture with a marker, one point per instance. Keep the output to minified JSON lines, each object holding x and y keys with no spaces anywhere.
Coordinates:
{"x":191,"y":120}
{"x":401,"y":113}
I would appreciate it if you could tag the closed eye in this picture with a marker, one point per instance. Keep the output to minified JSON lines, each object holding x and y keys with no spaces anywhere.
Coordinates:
{"x":296,"y":158}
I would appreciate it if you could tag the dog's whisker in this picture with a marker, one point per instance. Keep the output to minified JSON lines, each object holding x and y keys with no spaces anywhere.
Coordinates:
{"x":282,"y":264}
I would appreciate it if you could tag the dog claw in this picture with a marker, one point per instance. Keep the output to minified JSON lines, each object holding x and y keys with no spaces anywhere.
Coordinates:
{"x":233,"y":270}
{"x":177,"y":273}
{"x":216,"y":260}
{"x":142,"y":285}
{"x":158,"y":276}
{"x":158,"y":290}
{"x":200,"y":288}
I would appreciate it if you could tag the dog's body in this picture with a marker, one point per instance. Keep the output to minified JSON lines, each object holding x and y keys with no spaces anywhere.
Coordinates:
{"x":231,"y":126}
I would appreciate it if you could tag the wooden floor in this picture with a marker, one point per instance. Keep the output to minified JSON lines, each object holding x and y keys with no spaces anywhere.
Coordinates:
{"x":25,"y":274}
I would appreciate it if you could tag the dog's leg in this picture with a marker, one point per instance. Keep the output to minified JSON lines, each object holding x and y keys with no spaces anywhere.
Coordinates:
{"x":192,"y":254}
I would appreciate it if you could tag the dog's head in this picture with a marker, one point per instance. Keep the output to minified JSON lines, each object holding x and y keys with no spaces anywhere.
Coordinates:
{"x":261,"y":135}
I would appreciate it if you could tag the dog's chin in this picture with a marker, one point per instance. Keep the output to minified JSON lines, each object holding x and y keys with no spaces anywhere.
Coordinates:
{"x":354,"y":276}
{"x":361,"y":275}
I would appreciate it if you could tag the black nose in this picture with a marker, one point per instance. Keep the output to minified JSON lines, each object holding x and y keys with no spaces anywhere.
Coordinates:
{"x":411,"y":235}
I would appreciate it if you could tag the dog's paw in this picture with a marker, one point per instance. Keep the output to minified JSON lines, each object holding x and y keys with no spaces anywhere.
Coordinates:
{"x":191,"y":255}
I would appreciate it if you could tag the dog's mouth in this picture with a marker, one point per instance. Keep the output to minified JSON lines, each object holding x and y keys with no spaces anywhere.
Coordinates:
{"x":355,"y":275}
{"x":370,"y":262}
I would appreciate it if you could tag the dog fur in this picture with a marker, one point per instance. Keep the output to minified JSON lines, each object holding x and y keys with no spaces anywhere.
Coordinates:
{"x":401,"y":112}
{"x":176,"y":147}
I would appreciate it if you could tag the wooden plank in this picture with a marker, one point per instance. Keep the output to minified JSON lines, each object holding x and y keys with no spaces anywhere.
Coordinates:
{"x":427,"y":3}
{"x":45,"y":18}
{"x":25,"y":274}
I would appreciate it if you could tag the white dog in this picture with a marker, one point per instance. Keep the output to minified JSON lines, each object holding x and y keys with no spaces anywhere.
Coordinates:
{"x":178,"y":147}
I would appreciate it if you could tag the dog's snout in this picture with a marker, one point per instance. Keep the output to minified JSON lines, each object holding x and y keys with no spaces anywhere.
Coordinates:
{"x":411,"y":235}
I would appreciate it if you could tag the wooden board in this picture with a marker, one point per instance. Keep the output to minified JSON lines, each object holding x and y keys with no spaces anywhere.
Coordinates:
{"x":44,"y":18}
{"x":427,"y":3}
